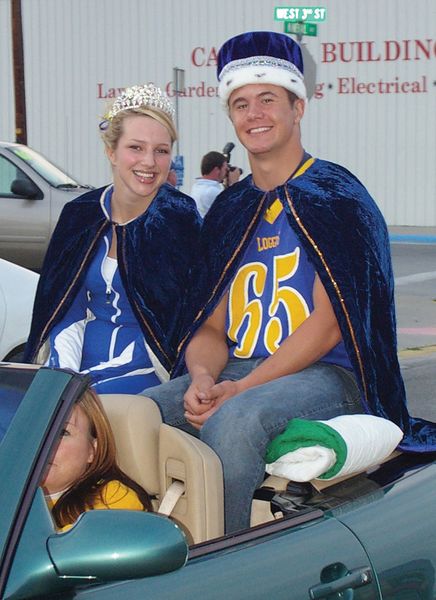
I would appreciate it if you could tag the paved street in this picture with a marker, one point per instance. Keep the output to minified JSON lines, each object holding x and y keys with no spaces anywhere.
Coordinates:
{"x":414,"y":260}
{"x":415,"y":287}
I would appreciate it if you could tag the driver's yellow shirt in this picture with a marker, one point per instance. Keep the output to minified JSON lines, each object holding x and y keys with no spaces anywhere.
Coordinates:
{"x":114,"y":495}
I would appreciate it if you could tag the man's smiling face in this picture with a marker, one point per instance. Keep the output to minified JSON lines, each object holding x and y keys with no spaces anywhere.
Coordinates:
{"x":264,"y":118}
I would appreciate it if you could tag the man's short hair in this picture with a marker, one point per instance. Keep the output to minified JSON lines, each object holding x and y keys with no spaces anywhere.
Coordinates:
{"x":292,"y":97}
{"x":210,"y":161}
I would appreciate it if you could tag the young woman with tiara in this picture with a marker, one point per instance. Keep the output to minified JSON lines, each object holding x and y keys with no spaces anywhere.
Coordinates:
{"x":110,"y":296}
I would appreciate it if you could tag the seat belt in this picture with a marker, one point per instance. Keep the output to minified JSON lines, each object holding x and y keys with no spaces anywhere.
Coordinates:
{"x":171,"y":497}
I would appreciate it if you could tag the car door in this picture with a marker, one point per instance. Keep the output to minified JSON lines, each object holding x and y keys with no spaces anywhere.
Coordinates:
{"x":21,"y":427}
{"x":300,"y":558}
{"x":36,"y":561}
{"x":25,"y":222}
{"x":398,"y":531}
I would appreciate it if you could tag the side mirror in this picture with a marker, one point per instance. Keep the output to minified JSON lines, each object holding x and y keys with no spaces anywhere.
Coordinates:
{"x":102,"y":546}
{"x":118,"y":544}
{"x":25,"y":188}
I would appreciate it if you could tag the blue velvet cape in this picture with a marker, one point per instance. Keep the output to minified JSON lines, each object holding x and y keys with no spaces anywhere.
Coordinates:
{"x":346,"y":238}
{"x":155,"y":253}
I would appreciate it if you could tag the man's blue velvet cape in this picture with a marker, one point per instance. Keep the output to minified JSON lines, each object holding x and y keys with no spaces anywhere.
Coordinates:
{"x":346,"y":238}
{"x":155,"y":253}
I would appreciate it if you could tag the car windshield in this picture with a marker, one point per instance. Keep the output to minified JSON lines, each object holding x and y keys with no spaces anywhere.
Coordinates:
{"x":14,"y":384}
{"x":46,"y":169}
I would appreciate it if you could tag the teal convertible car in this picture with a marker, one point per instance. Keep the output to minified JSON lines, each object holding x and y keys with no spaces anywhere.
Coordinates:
{"x":369,"y":536}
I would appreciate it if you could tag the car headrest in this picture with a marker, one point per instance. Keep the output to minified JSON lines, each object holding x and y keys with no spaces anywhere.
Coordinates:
{"x":135,"y":421}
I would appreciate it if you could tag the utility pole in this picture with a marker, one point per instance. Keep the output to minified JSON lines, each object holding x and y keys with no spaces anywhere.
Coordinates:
{"x":179,"y":84}
{"x":18,"y":73}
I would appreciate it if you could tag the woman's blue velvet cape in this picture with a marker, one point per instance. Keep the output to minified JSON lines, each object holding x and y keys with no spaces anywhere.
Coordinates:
{"x":155,"y":253}
{"x":345,"y":235}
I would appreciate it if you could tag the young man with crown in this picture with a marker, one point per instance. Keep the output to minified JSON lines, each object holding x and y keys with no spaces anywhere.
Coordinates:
{"x":294,"y":294}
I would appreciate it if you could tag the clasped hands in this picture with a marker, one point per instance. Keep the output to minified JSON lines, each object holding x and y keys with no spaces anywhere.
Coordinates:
{"x":204,"y":397}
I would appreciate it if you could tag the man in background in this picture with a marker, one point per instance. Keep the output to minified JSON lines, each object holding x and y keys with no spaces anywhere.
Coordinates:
{"x":214,"y":172}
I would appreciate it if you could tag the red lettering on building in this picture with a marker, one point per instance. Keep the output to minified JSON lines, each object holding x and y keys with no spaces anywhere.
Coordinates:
{"x":328,"y":52}
{"x":370,"y":51}
{"x":212,"y":59}
{"x":201,"y":57}
{"x":350,"y":85}
{"x":197,"y":56}
{"x":200,"y":90}
{"x":427,"y":50}
{"x":392,"y":50}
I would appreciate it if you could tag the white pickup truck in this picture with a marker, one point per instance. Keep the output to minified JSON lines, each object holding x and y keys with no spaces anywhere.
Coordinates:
{"x":17,"y":291}
{"x":32,"y":194}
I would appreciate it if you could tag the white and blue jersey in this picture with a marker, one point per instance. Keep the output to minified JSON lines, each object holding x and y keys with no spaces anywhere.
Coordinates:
{"x":100,"y":335}
{"x":272,"y":292}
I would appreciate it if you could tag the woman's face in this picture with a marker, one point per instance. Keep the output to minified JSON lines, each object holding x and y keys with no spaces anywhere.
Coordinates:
{"x":141,"y":159}
{"x":75,"y":452}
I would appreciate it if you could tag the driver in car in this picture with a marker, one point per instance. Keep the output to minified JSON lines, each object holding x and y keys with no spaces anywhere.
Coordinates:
{"x":83,"y":474}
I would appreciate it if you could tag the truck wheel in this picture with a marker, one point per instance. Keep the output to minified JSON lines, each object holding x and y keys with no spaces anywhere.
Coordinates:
{"x":15,"y":355}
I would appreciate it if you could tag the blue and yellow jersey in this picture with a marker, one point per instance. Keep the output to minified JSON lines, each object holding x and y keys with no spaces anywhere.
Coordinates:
{"x":272,"y":291}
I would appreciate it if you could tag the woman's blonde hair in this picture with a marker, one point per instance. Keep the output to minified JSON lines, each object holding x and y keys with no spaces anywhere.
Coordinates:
{"x":115,"y":126}
{"x":103,"y":468}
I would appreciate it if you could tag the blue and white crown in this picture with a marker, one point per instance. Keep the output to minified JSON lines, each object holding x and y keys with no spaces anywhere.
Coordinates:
{"x":260,"y":57}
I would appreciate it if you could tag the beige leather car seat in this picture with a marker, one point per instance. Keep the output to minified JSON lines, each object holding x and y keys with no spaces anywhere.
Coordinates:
{"x":156,"y":455}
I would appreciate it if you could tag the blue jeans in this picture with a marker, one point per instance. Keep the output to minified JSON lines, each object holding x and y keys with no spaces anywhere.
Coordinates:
{"x":241,"y":429}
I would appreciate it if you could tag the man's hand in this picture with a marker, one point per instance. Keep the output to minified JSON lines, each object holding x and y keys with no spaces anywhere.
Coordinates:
{"x":206,"y":356}
{"x":198,"y":421}
{"x":196,"y":399}
{"x":224,"y":390}
{"x":213,"y":399}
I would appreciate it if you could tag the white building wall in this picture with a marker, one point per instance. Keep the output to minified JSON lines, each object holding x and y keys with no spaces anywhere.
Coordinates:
{"x":78,"y":51}
{"x":7,"y":110}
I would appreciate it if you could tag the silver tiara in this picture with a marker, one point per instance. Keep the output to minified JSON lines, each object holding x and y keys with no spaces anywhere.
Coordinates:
{"x":141,"y":96}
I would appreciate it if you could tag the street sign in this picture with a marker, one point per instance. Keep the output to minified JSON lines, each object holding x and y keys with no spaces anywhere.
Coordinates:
{"x":301,"y":28}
